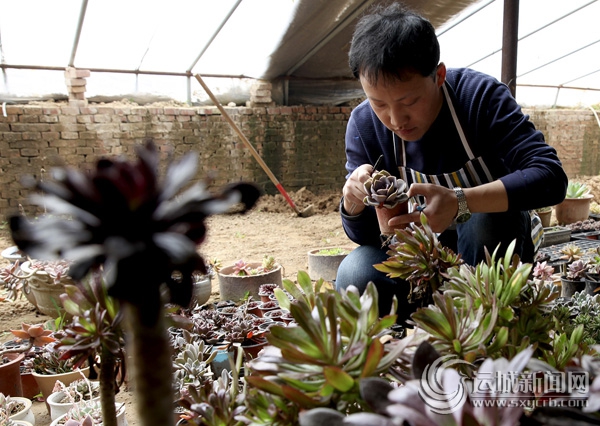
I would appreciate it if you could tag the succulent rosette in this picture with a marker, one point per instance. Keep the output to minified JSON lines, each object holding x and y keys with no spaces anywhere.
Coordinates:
{"x":385,"y":190}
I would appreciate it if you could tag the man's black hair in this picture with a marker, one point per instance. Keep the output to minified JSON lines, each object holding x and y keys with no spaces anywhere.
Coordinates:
{"x":392,"y":41}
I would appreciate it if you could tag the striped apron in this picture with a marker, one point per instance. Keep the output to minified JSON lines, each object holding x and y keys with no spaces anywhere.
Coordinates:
{"x":473,"y":173}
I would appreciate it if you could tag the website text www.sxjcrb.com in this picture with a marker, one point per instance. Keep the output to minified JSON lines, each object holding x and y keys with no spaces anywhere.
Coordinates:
{"x":529,"y":403}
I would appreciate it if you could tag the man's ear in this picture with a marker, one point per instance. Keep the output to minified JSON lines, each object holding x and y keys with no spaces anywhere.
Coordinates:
{"x":440,"y":74}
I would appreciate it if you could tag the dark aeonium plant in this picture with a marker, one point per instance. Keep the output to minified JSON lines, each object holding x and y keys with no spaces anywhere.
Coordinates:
{"x":142,"y":232}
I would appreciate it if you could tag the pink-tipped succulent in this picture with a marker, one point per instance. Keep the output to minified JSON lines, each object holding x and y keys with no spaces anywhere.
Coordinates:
{"x":385,"y":190}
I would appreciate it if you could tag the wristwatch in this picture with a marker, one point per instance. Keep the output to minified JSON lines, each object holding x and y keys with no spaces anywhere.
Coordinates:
{"x":463,"y":213}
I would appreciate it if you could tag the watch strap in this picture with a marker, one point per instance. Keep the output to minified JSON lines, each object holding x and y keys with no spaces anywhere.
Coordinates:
{"x":463,"y":214}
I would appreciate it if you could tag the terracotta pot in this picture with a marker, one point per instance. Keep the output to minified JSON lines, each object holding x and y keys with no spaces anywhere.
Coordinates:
{"x":545,"y":217}
{"x":268,"y":306}
{"x":325,"y":265}
{"x":265,"y":291}
{"x":384,"y":215}
{"x":29,"y":385}
{"x":10,"y":375}
{"x":573,"y":210}
{"x":274,"y":314}
{"x":251,"y":351}
{"x":253,"y":308}
{"x":26,"y":414}
{"x":234,"y":287}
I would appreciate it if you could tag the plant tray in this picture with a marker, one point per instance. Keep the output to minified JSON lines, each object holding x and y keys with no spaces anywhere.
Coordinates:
{"x":595,"y":216}
{"x":554,"y":254}
{"x":591,"y":235}
{"x":556,"y":235}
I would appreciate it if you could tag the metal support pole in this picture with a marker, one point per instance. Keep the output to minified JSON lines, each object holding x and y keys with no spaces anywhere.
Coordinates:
{"x":510,"y":42}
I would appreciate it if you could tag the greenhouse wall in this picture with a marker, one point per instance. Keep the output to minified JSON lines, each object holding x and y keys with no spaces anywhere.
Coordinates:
{"x":303,"y":146}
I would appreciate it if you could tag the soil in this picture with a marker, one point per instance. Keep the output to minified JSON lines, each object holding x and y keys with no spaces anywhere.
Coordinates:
{"x":271,"y":228}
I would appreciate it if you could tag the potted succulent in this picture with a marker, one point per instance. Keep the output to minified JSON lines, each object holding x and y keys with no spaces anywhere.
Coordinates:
{"x":387,"y":194}
{"x":12,"y":355}
{"x":324,"y":262}
{"x":15,"y":408}
{"x":576,"y":205}
{"x":573,"y":269}
{"x":65,"y":396}
{"x":241,"y":330}
{"x":243,"y":279}
{"x":47,"y":280}
{"x":265,"y":291}
{"x":50,"y":367}
{"x":89,"y":413}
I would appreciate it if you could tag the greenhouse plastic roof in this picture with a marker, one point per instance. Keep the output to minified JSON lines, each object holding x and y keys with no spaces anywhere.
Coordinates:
{"x":154,"y":48}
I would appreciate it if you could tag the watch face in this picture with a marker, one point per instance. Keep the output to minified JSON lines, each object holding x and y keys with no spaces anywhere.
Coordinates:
{"x":463,"y":217}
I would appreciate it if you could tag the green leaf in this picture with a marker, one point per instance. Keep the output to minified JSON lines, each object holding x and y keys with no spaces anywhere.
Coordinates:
{"x":294,"y":339}
{"x":265,"y":385}
{"x":308,"y":386}
{"x":500,"y":340}
{"x":291,"y":288}
{"x":298,"y":397}
{"x":71,"y":307}
{"x":282,"y":298}
{"x":305,"y":283}
{"x":457,"y":346}
{"x":338,"y":378}
{"x":374,"y":356}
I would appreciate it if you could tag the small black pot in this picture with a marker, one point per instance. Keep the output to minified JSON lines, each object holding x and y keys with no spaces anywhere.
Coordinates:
{"x":570,"y":287}
{"x":592,"y":284}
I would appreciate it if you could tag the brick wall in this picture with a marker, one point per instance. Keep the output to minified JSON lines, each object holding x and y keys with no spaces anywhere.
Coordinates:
{"x":303,"y":146}
{"x":575,"y":134}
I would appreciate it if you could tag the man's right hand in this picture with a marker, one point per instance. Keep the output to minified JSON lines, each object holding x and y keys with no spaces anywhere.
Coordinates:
{"x":354,"y":189}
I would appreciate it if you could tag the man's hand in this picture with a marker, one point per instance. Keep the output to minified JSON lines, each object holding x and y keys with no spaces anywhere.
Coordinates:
{"x":354,"y":190}
{"x":441,"y":206}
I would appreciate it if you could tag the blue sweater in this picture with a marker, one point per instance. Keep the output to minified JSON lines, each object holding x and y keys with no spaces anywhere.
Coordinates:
{"x":496,"y":129}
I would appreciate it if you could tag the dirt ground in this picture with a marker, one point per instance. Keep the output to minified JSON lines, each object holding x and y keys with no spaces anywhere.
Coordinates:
{"x":271,"y":228}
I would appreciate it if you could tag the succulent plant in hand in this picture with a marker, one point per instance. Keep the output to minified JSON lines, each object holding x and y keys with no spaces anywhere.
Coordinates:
{"x":385,"y":190}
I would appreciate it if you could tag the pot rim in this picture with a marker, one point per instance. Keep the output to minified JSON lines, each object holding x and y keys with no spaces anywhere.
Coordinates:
{"x":25,"y":401}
